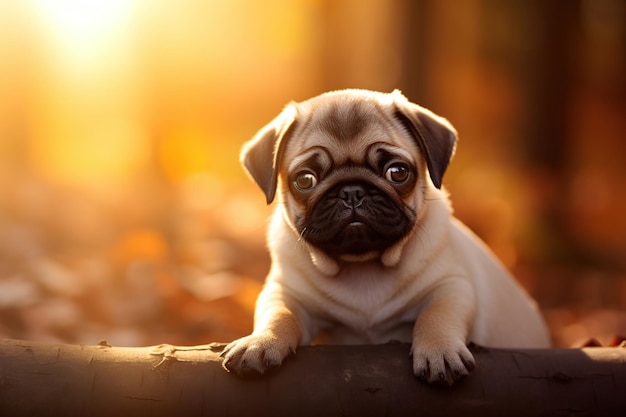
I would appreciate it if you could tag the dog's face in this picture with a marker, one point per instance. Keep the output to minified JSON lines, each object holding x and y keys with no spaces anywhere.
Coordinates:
{"x":352,"y":168}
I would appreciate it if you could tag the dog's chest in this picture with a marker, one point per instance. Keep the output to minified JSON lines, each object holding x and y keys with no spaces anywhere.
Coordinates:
{"x":367,"y":304}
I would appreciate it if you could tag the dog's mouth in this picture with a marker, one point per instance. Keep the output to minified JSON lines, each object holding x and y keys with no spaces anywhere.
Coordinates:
{"x":353,"y":236}
{"x":354,"y":219}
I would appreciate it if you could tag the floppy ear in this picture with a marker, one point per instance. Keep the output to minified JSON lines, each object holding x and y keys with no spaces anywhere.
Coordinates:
{"x":434,"y":135}
{"x":262,"y":154}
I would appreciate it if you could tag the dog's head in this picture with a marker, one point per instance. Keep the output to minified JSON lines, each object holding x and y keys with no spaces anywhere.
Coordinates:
{"x":352,"y":169}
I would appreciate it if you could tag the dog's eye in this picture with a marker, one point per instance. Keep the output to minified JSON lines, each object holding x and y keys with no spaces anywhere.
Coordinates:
{"x":397,"y":173}
{"x":305,"y":181}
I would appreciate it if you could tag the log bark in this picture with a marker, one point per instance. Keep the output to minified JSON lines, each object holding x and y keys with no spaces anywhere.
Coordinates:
{"x":38,"y":379}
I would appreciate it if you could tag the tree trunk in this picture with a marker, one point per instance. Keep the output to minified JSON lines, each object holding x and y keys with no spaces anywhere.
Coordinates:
{"x":38,"y":379}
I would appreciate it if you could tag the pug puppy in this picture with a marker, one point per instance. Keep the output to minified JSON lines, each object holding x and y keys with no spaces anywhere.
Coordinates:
{"x":364,"y":245}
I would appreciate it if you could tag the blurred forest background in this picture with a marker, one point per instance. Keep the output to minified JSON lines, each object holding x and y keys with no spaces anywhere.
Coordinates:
{"x":124,"y":213}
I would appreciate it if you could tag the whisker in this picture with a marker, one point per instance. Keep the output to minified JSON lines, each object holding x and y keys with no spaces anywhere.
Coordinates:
{"x":302,"y":232}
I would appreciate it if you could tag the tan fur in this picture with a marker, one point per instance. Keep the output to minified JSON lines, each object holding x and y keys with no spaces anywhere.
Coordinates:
{"x":437,"y":287}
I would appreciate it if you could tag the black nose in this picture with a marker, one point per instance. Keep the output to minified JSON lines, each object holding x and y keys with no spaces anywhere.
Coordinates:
{"x":352,"y":195}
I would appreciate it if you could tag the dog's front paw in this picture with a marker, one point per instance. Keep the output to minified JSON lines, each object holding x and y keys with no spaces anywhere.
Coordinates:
{"x":255,"y":354}
{"x":442,"y":363}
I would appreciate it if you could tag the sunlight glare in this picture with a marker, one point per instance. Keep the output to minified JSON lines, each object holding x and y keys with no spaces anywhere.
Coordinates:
{"x":83,"y":20}
{"x":88,"y":127}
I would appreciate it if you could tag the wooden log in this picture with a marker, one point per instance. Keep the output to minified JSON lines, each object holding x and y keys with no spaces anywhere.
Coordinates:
{"x":39,"y":379}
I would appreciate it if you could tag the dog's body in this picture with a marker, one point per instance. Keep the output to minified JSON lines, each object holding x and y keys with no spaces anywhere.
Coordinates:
{"x":364,"y":245}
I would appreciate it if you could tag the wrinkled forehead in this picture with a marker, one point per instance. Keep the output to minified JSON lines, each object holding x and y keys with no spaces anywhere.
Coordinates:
{"x":346,"y":129}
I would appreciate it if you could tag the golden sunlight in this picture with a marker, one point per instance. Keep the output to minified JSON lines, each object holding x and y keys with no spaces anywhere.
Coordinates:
{"x":86,"y":111}
{"x":81,"y":35}
{"x":118,"y":87}
{"x":83,"y":22}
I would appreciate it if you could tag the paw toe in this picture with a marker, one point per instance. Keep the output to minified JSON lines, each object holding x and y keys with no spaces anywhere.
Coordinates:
{"x":439,"y":366}
{"x":254,"y":354}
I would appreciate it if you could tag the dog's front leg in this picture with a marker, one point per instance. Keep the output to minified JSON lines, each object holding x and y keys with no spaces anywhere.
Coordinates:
{"x":277,"y":333}
{"x":439,"y":350}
